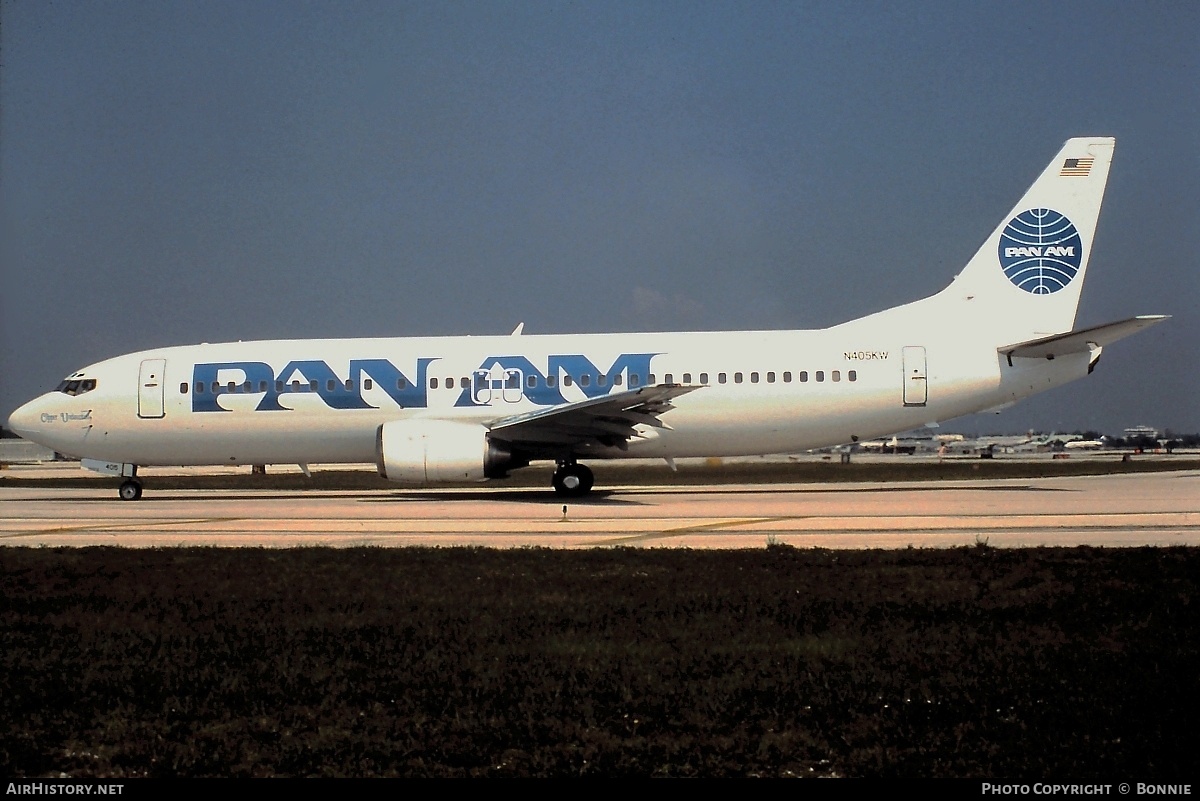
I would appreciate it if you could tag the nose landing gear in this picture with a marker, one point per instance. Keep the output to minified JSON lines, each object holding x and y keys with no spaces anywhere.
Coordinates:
{"x":572,"y":480}
{"x":131,"y":490}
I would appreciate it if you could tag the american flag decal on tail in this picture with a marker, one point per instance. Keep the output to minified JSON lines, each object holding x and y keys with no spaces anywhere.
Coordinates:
{"x":1076,"y":167}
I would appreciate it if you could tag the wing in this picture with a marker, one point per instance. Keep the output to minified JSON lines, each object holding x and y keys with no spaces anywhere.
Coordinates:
{"x":607,"y":422}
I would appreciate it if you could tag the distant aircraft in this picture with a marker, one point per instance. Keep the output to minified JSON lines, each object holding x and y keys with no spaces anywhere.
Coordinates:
{"x":429,"y":410}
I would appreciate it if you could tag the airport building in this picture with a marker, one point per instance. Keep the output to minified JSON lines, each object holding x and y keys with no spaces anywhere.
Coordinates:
{"x":1141,"y":431}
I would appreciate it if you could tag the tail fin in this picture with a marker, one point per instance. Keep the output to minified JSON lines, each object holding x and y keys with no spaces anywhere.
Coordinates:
{"x":1027,"y":276}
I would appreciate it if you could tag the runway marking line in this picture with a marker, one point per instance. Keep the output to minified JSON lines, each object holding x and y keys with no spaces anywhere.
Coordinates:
{"x":137,"y":524}
{"x":685,"y":530}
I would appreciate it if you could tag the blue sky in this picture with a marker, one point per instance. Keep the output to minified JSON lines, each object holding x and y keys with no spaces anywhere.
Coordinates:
{"x":178,"y":172}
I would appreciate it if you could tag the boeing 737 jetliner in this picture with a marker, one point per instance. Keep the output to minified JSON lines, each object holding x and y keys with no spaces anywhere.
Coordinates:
{"x":432,"y":410}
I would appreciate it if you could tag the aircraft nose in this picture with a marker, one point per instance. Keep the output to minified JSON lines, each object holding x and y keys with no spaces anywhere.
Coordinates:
{"x":24,"y":421}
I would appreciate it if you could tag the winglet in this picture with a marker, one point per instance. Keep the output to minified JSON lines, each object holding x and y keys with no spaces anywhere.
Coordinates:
{"x":517,"y":331}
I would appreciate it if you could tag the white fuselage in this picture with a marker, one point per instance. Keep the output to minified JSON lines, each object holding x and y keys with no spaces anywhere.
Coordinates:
{"x":435,"y":409}
{"x":759,"y":392}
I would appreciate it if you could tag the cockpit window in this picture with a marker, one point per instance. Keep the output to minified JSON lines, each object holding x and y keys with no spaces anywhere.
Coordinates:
{"x":76,"y":386}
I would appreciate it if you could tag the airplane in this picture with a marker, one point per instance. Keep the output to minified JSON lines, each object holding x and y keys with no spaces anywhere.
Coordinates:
{"x":442,"y":409}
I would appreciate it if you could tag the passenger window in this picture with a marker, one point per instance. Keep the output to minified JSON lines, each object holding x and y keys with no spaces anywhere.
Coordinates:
{"x":721,"y":379}
{"x":737,"y":378}
{"x":704,"y":378}
{"x":634,"y":380}
{"x":669,"y":378}
{"x":585,"y":380}
{"x":531,"y":380}
{"x":820,"y":375}
{"x":551,"y":380}
{"x":183,"y":388}
{"x":199,"y":387}
{"x":278,"y":387}
{"x":349,"y":384}
{"x":770,"y":378}
{"x":401,"y":383}
{"x":312,"y":385}
{"x":433,"y":384}
{"x":329,"y":385}
{"x":836,"y":375}
{"x":601,"y":380}
{"x":295,"y":385}
{"x":852,"y":375}
{"x":754,"y":378}
{"x":650,"y":379}
{"x":618,"y":379}
{"x":566,"y":380}
{"x":368,"y":384}
{"x":231,"y":387}
{"x":687,"y":378}
{"x":787,"y":377}
{"x":803,"y":376}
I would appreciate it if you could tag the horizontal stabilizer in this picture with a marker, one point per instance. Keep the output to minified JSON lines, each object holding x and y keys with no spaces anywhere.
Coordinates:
{"x":1080,"y":341}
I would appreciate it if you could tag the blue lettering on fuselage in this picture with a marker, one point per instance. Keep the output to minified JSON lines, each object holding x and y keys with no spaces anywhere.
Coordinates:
{"x":298,"y":376}
{"x":206,"y":375}
{"x":406,"y":394}
{"x":510,"y":378}
{"x":497,"y":373}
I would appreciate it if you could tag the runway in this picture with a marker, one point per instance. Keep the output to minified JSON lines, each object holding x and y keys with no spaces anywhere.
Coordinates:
{"x":1113,"y":511}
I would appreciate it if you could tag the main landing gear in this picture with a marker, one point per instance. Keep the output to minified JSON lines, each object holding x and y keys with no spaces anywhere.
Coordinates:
{"x":131,"y":490}
{"x":572,"y":480}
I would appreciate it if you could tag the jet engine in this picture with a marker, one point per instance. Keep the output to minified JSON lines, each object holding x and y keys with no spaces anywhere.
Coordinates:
{"x":430,"y":451}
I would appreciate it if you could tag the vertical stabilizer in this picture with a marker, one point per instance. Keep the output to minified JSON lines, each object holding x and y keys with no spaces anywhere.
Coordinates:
{"x":1026,"y":278}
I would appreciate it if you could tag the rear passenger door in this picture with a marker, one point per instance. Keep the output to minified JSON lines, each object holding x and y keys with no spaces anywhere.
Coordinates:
{"x":916,"y":384}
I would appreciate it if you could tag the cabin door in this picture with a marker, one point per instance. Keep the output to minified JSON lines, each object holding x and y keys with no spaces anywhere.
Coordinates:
{"x":151,"y":388}
{"x":916,"y":385}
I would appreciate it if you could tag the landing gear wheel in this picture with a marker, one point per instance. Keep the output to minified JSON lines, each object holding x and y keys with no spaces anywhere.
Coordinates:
{"x":130,"y":490}
{"x":573,"y":480}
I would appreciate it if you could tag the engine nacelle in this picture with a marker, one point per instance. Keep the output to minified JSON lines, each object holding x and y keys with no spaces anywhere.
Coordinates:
{"x":430,"y":451}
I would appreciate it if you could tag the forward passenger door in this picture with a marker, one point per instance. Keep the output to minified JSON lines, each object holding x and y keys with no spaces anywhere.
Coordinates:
{"x":151,"y":388}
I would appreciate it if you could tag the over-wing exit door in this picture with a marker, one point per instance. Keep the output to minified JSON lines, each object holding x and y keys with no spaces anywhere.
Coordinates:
{"x":498,"y":384}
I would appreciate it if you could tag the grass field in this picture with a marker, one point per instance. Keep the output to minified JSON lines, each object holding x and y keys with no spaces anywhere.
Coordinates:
{"x":1042,"y":664}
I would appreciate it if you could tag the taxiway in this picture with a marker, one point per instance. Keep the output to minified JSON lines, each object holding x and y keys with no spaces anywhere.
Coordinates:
{"x":1159,"y":509}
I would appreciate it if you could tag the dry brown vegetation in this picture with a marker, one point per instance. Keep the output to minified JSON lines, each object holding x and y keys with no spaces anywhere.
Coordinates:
{"x":463,"y":662}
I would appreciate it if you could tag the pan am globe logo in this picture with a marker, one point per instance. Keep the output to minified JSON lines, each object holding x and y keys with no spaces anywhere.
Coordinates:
{"x":1040,"y":251}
